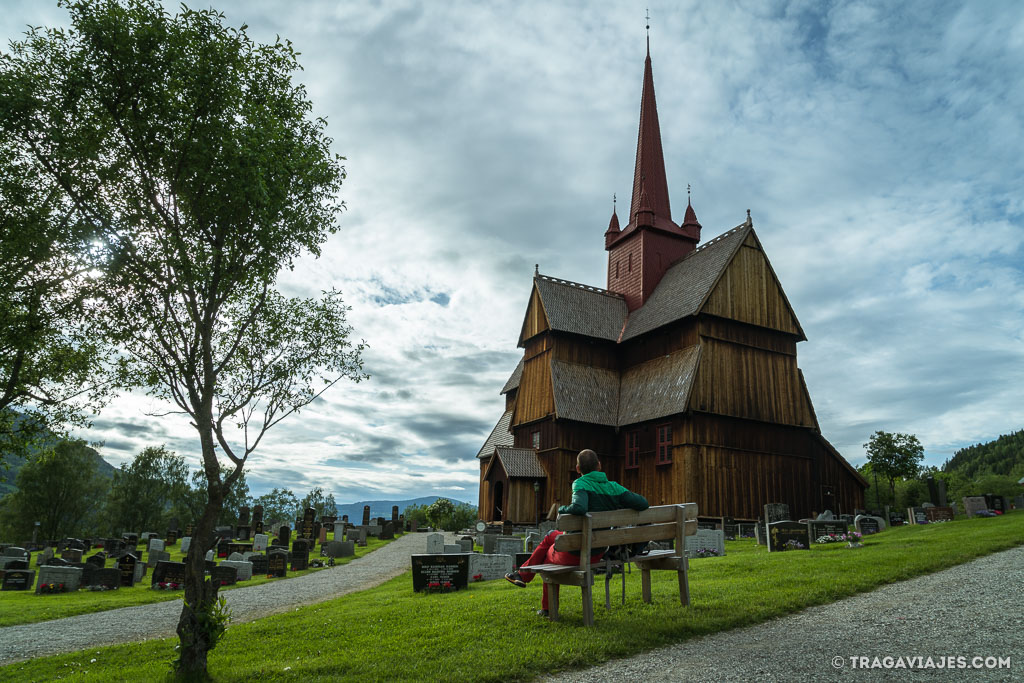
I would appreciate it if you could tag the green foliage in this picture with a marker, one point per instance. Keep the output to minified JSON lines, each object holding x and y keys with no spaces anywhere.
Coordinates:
{"x":212,"y":617}
{"x":147,"y":492}
{"x":278,"y":505}
{"x":1004,"y":456}
{"x":237,"y":496}
{"x":443,"y":514}
{"x":894,"y":456}
{"x":318,"y":501}
{"x":60,"y":489}
{"x":417,"y":513}
{"x":439,"y":512}
{"x":392,"y":621}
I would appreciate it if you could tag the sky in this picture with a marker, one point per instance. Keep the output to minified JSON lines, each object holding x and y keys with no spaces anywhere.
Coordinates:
{"x":876,"y":144}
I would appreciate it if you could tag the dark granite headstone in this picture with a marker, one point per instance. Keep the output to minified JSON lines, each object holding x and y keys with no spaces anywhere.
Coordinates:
{"x":260,"y":564}
{"x":387,"y":531}
{"x":868,"y":525}
{"x":819,"y":528}
{"x":776,"y":512}
{"x":126,"y":566}
{"x":169,"y":572}
{"x":171,"y":538}
{"x":277,"y":563}
{"x":72,"y":554}
{"x":939,"y":514}
{"x":17,"y":579}
{"x":788,"y":536}
{"x":300,"y":555}
{"x":224,"y":576}
{"x":190,"y":530}
{"x":394,"y":513}
{"x":284,"y":534}
{"x":99,"y":559}
{"x":366,"y":515}
{"x":109,"y":578}
{"x":449,"y":572}
{"x":328,"y":522}
{"x":222,"y":548}
{"x":521,"y":559}
{"x":57,"y":562}
{"x":306,"y":530}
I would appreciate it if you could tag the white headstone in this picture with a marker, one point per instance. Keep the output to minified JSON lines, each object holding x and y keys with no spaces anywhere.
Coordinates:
{"x":260,"y":543}
{"x":244,"y":569}
{"x":489,"y":567}
{"x":236,"y":557}
{"x":449,"y":549}
{"x":508,"y":545}
{"x":186,"y":543}
{"x":706,"y":539}
{"x":209,"y":556}
{"x":435,"y":543}
{"x":155,"y":544}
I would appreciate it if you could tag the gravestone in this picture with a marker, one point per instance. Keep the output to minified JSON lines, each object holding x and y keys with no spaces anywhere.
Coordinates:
{"x":45,"y":556}
{"x":126,"y":565}
{"x":88,"y":570}
{"x":705,"y":539}
{"x":99,"y":559}
{"x":259,"y":543}
{"x":508,"y":545}
{"x":257,"y":519}
{"x":761,"y":533}
{"x":222,"y":548}
{"x":109,"y":578}
{"x":868,"y":524}
{"x":818,"y":528}
{"x":400,"y":526}
{"x":70,"y":577}
{"x":169,"y":572}
{"x":826,"y":515}
{"x":277,"y":563}
{"x":452,"y":570}
{"x":917,"y":515}
{"x":260,"y":564}
{"x":237,"y":547}
{"x":171,"y":537}
{"x":366,"y":515}
{"x":996,"y":503}
{"x":300,"y":555}
{"x":940,"y":514}
{"x":243,"y":532}
{"x":322,"y":538}
{"x":490,"y":567}
{"x":435,"y":544}
{"x":189,"y":530}
{"x":72,"y":555}
{"x":387,"y":531}
{"x":373,"y":530}
{"x":414,"y":526}
{"x":360,"y":536}
{"x":746,"y":530}
{"x":490,"y":542}
{"x":711,"y":523}
{"x":974,"y":504}
{"x":306,"y":530}
{"x":210,"y":556}
{"x":223,"y":576}
{"x":731,"y":531}
{"x":16,"y":563}
{"x":1018,"y":502}
{"x":57,"y":562}
{"x":776,"y":512}
{"x":157,"y":556}
{"x":452,"y":548}
{"x":339,"y":549}
{"x":466,"y":545}
{"x":787,"y":536}
{"x":186,"y":543}
{"x":236,"y":557}
{"x":532,"y":540}
{"x":328,"y":522}
{"x":155,"y":544}
{"x":284,"y":534}
{"x":243,"y":570}
{"x":394,"y":514}
{"x":17,"y":579}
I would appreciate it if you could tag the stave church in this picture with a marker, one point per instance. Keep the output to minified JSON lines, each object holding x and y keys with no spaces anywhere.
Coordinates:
{"x":681,"y":373}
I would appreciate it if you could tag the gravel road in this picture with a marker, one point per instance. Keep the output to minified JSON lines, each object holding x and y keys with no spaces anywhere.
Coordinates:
{"x":974,"y":609}
{"x":159,"y":620}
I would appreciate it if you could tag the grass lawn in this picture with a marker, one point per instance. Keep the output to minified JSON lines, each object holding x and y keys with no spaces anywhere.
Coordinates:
{"x":489,"y":632}
{"x":25,"y":607}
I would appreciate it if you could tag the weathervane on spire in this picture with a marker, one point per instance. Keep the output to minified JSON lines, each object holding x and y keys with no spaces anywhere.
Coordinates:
{"x":648,"y":17}
{"x":613,"y":202}
{"x":687,"y":193}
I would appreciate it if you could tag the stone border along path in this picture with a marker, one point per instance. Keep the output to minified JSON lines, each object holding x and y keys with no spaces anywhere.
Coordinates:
{"x":973,"y":609}
{"x":158,"y":620}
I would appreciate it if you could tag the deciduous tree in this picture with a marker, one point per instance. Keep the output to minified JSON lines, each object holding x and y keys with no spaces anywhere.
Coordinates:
{"x":894,"y":456}
{"x":189,"y":146}
{"x":145,"y":491}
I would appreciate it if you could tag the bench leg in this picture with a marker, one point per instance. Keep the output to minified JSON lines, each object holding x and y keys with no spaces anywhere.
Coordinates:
{"x":645,"y":581}
{"x":588,"y":605}
{"x":684,"y":587}
{"x":607,"y":588}
{"x":552,"y":601}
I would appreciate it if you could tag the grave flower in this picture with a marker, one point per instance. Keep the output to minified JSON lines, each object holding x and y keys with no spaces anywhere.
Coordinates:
{"x":793,"y":544}
{"x":478,"y":577}
{"x":707,"y":552}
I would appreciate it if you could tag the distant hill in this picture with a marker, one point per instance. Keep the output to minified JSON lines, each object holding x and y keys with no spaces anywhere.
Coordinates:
{"x":7,"y":479}
{"x":382,"y":508}
{"x":995,"y":457}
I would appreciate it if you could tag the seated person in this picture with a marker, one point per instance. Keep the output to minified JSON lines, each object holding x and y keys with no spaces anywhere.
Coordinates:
{"x":591,"y":492}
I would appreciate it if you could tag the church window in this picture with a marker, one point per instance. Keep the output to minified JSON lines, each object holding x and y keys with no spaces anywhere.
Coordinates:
{"x":632,"y":449}
{"x":664,"y":443}
{"x":536,"y":440}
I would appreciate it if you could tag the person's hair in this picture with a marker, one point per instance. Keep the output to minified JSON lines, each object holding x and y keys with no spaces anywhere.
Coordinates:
{"x":587,"y":461}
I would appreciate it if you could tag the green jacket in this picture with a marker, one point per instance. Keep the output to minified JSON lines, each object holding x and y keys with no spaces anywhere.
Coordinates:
{"x":592,"y":492}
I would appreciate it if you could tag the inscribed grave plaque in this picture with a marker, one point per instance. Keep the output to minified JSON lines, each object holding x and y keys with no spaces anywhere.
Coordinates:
{"x":284,"y":534}
{"x":868,"y":525}
{"x":490,"y":567}
{"x":108,"y":578}
{"x":300,"y":555}
{"x":974,"y":504}
{"x":169,"y":572}
{"x":172,"y":537}
{"x":788,"y":536}
{"x":277,"y":563}
{"x":817,"y":529}
{"x":18,"y":579}
{"x":447,"y":571}
{"x":917,"y":515}
{"x":940,"y":514}
{"x":387,"y":531}
{"x":126,"y":565}
{"x":435,"y":543}
{"x":223,"y":576}
{"x":222,"y":548}
{"x":508,"y":545}
{"x":186,"y":543}
{"x":705,"y":539}
{"x":366,"y":515}
{"x":776,"y":512}
{"x":243,"y":569}
{"x":259,"y":543}
{"x":71,"y":555}
{"x":260,"y":564}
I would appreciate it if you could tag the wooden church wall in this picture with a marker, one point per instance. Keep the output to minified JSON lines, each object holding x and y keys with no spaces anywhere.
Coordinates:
{"x":536,"y":321}
{"x":535,"y":398}
{"x":748,"y":292}
{"x":748,"y":382}
{"x":659,"y":343}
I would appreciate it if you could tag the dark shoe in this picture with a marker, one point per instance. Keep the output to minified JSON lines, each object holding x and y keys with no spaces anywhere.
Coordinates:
{"x":542,"y":613}
{"x":515,"y":579}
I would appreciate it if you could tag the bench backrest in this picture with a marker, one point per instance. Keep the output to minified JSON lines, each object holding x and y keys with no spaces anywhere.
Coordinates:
{"x":618,"y":527}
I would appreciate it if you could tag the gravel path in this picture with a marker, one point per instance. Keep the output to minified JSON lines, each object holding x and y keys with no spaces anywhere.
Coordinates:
{"x":159,"y":620}
{"x":974,"y":609}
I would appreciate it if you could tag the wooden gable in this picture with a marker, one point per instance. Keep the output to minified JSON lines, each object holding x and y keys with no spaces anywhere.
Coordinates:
{"x":749,"y":291}
{"x":536,"y":320}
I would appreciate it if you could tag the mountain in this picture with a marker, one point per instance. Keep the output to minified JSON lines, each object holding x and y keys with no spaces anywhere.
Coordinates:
{"x":1002,"y":456}
{"x":7,"y":479}
{"x":382,"y":508}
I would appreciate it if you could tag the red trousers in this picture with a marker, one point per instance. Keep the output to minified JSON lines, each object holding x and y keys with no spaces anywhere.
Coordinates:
{"x":545,"y":553}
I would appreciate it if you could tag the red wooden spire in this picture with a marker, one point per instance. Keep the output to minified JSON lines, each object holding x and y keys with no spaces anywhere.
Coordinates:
{"x":649,"y":173}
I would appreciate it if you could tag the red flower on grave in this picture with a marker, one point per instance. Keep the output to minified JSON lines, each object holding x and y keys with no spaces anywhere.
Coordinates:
{"x":478,"y":577}
{"x":447,"y":584}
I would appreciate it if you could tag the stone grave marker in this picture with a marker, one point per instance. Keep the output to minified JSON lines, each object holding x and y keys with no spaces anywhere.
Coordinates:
{"x":490,"y":567}
{"x":71,"y":555}
{"x":284,"y":534}
{"x":109,"y":578}
{"x":169,"y":572}
{"x":705,"y":539}
{"x":190,"y":530}
{"x":306,"y":531}
{"x":155,"y":544}
{"x":761,"y":533}
{"x":787,"y":536}
{"x":746,"y":530}
{"x":99,"y":559}
{"x":776,"y":512}
{"x":237,"y":547}
{"x":57,"y":562}
{"x":414,"y":526}
{"x":186,"y":543}
{"x":360,"y":536}
{"x":996,"y":503}
{"x":45,"y":556}
{"x":260,"y":564}
{"x":126,"y":566}
{"x":300,"y":555}
{"x":521,"y":559}
{"x":17,"y":579}
{"x":490,"y":543}
{"x":435,"y":544}
{"x":222,"y":548}
{"x":16,"y":563}
{"x":508,"y":545}
{"x":387,"y":532}
{"x":532,"y":541}
{"x":328,"y":522}
{"x":826,"y":515}
{"x":366,"y":515}
{"x":974,"y":504}
{"x":224,"y":576}
{"x":452,"y":548}
{"x":339,"y":548}
{"x":236,"y":557}
{"x":394,"y":513}
{"x":243,"y":570}
{"x":818,"y":528}
{"x":171,"y":537}
{"x":917,"y":515}
{"x":711,"y":523}
{"x":939,"y":514}
{"x":257,"y":519}
{"x":277,"y":563}
{"x":868,"y":524}
{"x":322,"y":536}
{"x":259,"y":543}
{"x":373,"y":530}
{"x":452,"y":570}
{"x":210,"y":556}
{"x":155,"y":556}
{"x":466,"y":545}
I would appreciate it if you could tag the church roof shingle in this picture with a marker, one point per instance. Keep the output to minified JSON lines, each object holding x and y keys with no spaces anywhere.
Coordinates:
{"x":513,"y":380}
{"x":579,"y":309}
{"x":585,"y":393}
{"x":520,"y":462}
{"x":501,"y":435}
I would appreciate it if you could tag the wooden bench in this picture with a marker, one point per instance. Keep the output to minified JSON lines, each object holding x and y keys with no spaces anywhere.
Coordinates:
{"x":619,"y":527}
